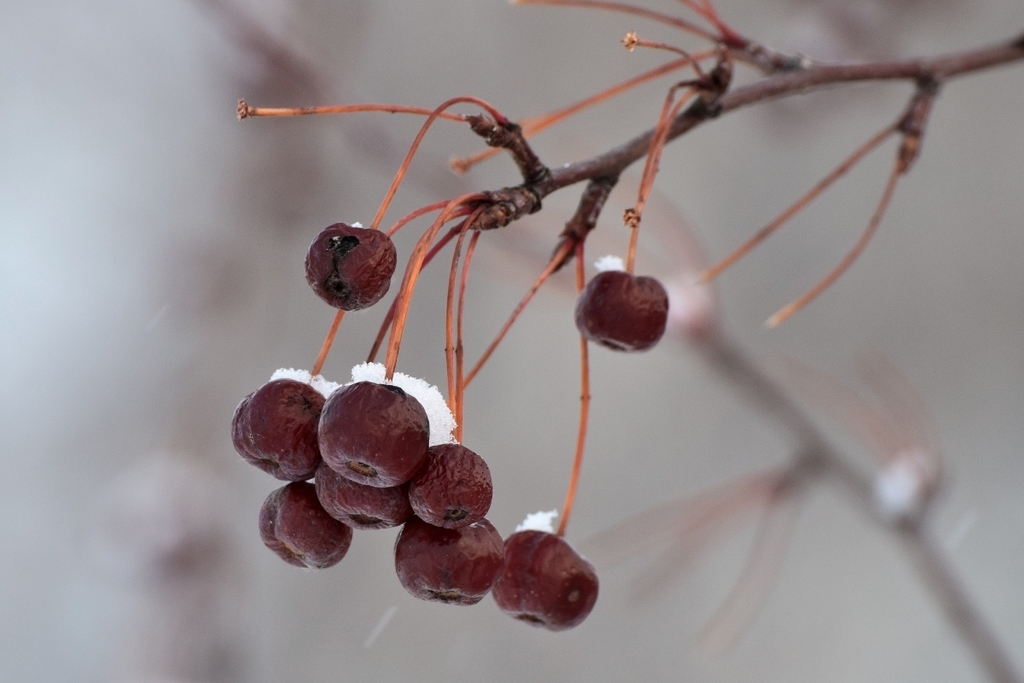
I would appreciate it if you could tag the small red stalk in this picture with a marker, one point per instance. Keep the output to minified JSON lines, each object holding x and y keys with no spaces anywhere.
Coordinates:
{"x":459,"y":354}
{"x":325,"y":348}
{"x":581,"y":436}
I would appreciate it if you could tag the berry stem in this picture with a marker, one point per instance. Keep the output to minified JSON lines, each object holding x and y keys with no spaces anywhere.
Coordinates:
{"x":246,"y":111}
{"x":449,"y":315}
{"x":581,"y":435}
{"x":402,"y":222}
{"x":328,"y":341}
{"x":786,"y":311}
{"x":459,"y":353}
{"x":556,"y":260}
{"x":412,"y":272}
{"x":497,"y":115}
{"x":797,"y":206}
{"x":632,"y":217}
{"x":390,"y":315}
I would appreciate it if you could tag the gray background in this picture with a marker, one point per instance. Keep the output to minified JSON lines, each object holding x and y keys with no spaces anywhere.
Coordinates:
{"x":150,"y":276}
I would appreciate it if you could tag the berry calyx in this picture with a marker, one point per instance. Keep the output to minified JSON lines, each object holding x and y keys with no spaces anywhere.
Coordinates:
{"x":454,"y":566}
{"x":275,"y":429}
{"x":545,"y":582}
{"x":360,"y":506}
{"x":622,"y":311}
{"x":295,"y":526}
{"x":350,"y":267}
{"x":453,"y":488}
{"x":374,"y":434}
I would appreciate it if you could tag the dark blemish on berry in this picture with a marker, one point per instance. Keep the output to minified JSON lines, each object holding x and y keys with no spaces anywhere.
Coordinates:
{"x":529,"y":618}
{"x":393,"y":389}
{"x":365,"y":520}
{"x":445,"y":596}
{"x":456,"y":515}
{"x":341,"y":246}
{"x":361,"y":468}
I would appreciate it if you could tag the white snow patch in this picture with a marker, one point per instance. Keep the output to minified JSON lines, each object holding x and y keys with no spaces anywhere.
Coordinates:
{"x":325,"y":387}
{"x":442,"y":422}
{"x":539,"y":521}
{"x":609,"y":263}
{"x":357,"y":224}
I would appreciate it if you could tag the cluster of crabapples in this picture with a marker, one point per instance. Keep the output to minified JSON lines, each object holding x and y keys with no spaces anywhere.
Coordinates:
{"x":380,"y":453}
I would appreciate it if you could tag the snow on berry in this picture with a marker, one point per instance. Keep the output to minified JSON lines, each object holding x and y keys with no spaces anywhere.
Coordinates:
{"x":442,"y":421}
{"x":539,"y":521}
{"x":325,"y":387}
{"x":609,"y":262}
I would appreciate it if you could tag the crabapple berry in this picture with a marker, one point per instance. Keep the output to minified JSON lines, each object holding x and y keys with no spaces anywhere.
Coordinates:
{"x":622,"y":311}
{"x":453,"y":488}
{"x":361,"y":506}
{"x":374,"y":434}
{"x":455,"y":566}
{"x":295,"y":526}
{"x":350,"y":267}
{"x":275,"y":429}
{"x":545,"y":582}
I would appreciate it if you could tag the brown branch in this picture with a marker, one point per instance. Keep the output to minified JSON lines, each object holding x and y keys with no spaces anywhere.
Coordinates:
{"x":938,"y":69}
{"x":817,"y":457}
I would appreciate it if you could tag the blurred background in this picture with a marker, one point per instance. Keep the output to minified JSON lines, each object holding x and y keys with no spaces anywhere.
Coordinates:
{"x":151,"y":252}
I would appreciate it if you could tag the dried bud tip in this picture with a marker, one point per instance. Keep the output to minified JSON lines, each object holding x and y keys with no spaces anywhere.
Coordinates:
{"x":631,"y":219}
{"x":244,"y":110}
{"x":631,"y":40}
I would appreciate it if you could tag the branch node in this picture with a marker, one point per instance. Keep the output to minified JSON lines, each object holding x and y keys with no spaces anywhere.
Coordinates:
{"x":509,"y":136}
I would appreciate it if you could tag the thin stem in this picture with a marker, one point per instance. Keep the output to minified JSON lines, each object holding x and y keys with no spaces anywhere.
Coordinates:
{"x":634,"y":215}
{"x":581,"y":435}
{"x":390,"y":315}
{"x":246,"y":111}
{"x":553,"y":264}
{"x":797,"y":206}
{"x":459,"y":353}
{"x":412,"y":272}
{"x":449,"y":320}
{"x":498,"y":116}
{"x":325,"y":348}
{"x":402,"y":222}
{"x":786,"y":311}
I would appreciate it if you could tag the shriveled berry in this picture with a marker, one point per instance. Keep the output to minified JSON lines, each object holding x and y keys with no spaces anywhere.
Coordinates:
{"x":455,"y":566}
{"x":622,"y":311}
{"x":453,"y":488}
{"x":361,"y":506}
{"x":275,"y":429}
{"x":374,"y":434}
{"x":545,"y":582}
{"x":349,"y":267}
{"x":299,"y":530}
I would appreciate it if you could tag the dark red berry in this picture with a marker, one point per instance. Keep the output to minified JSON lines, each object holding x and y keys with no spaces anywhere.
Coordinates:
{"x":350,"y":268}
{"x":545,"y":582}
{"x":453,"y":488}
{"x":360,"y":506}
{"x":456,"y":566}
{"x":622,"y":311}
{"x":275,"y":429}
{"x":374,"y":434}
{"x":299,"y":530}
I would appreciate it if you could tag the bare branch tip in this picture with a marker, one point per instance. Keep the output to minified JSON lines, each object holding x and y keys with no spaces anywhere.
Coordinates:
{"x":243,"y":110}
{"x":459,"y":165}
{"x":631,"y":40}
{"x":630,"y":218}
